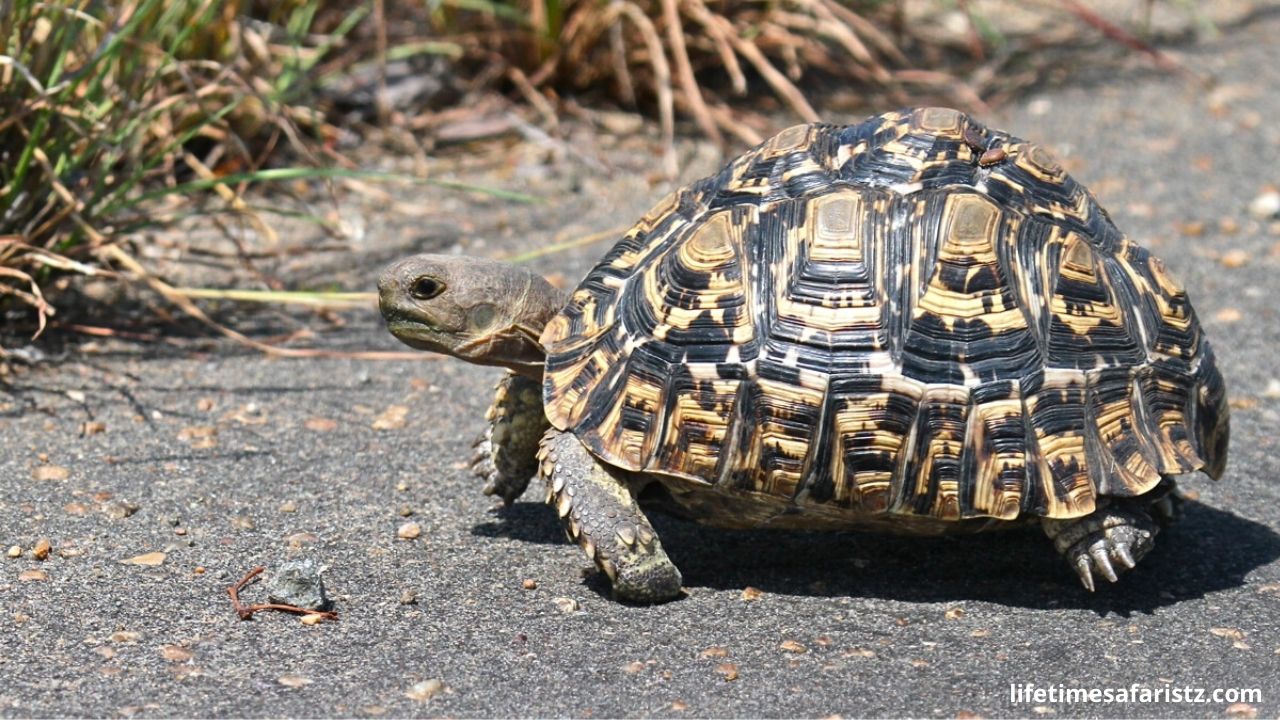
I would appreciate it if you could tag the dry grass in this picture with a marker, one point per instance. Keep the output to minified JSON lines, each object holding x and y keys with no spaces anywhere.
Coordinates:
{"x":110,"y":107}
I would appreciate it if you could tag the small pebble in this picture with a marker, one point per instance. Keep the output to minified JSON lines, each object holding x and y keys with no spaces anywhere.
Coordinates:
{"x":405,"y":511}
{"x":409,"y":531}
{"x":125,"y":636}
{"x":633,"y":667}
{"x":425,"y":690}
{"x":728,"y":671}
{"x":408,"y":597}
{"x":750,"y":594}
{"x":566,"y":605}
{"x":298,"y":583}
{"x":715,"y":651}
{"x":1266,"y":206}
{"x":33,"y":576}
{"x":41,"y":549}
{"x":792,"y":646}
{"x":679,"y":705}
{"x":529,"y":584}
{"x":289,"y":506}
{"x":312,"y":619}
{"x":1234,"y":259}
{"x":119,"y":510}
{"x":954,"y":613}
{"x":14,"y":552}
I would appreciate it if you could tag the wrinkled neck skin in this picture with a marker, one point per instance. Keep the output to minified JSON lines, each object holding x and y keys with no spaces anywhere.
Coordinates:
{"x":488,"y":313}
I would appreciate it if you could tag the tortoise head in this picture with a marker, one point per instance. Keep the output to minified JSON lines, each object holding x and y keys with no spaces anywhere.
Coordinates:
{"x":478,"y":310}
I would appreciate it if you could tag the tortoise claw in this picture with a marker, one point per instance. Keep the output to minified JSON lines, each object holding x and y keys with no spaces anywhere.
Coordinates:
{"x":1101,"y":561}
{"x":1122,"y":555}
{"x":1104,"y":544}
{"x":1084,"y":570}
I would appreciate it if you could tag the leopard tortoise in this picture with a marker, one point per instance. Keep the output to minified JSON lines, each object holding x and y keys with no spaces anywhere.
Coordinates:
{"x":912,"y":324}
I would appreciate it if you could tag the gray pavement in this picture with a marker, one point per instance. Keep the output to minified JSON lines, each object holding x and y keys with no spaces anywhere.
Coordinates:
{"x":223,"y":460}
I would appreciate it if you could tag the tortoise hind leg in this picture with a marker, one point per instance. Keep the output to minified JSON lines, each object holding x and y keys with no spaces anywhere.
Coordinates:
{"x":506,"y":454}
{"x":1113,"y":538}
{"x":601,"y":515}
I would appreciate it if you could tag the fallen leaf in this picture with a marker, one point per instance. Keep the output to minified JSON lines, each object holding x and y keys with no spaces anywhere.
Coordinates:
{"x":320,"y":424}
{"x":1193,"y":228}
{"x":1228,"y":315}
{"x":50,"y":472}
{"x":191,"y":432}
{"x":1234,"y":259}
{"x":294,"y":681}
{"x":715,"y":651}
{"x":393,"y":418}
{"x":792,"y":646}
{"x":249,"y":414}
{"x":151,"y":559}
{"x":1228,"y":632}
{"x":1241,"y":710}
{"x":175,"y":653}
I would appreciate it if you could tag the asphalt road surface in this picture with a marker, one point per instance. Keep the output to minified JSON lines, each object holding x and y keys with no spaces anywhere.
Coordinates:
{"x":222,"y":460}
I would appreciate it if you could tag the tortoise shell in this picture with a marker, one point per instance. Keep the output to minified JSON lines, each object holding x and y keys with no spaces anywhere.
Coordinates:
{"x":913,"y":315}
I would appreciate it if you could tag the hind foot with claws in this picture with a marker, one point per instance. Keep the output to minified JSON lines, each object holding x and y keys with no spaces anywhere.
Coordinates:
{"x":1107,"y":542}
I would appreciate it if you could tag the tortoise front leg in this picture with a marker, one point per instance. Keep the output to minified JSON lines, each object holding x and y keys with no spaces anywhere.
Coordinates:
{"x":506,"y":454}
{"x":601,"y":516}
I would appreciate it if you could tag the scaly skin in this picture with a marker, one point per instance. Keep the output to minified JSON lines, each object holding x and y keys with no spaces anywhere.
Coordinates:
{"x":506,"y":454}
{"x":601,"y":515}
{"x":1112,"y":539}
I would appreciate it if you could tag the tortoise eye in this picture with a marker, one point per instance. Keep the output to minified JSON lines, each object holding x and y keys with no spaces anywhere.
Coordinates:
{"x":425,"y":288}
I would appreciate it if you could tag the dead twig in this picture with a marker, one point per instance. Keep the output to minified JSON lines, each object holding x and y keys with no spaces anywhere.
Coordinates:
{"x":1129,"y":40}
{"x":661,"y":72}
{"x":246,"y":611}
{"x":684,"y":71}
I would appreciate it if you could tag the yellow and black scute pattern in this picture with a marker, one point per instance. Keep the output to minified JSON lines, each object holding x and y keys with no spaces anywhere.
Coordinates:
{"x":911,"y":316}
